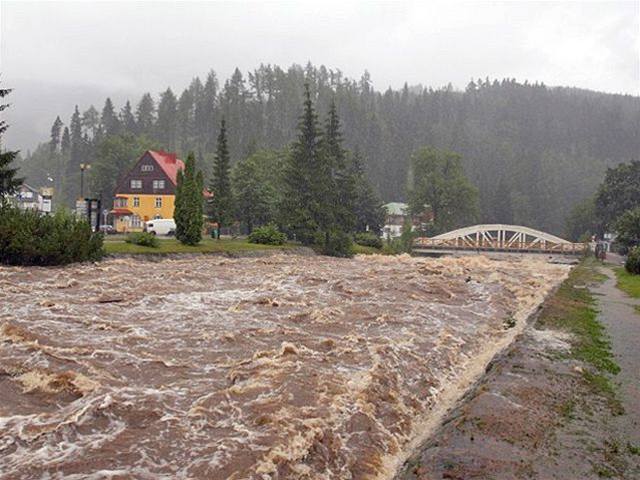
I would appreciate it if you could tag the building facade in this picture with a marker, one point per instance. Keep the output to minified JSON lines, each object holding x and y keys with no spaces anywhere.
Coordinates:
{"x":147,"y":191}
{"x":398,"y":213}
{"x":30,"y":198}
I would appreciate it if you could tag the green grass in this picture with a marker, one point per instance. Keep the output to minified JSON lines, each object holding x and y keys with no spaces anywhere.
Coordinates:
{"x":628,"y":283}
{"x":207,"y":245}
{"x":572,"y":309}
{"x":362,"y":250}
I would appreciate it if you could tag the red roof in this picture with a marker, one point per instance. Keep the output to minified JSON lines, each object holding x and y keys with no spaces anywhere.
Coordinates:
{"x":169,"y":162}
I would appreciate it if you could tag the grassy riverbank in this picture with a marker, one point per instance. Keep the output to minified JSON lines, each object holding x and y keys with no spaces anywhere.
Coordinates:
{"x":171,"y":245}
{"x":572,"y":309}
{"x":207,"y":245}
{"x":628,"y":283}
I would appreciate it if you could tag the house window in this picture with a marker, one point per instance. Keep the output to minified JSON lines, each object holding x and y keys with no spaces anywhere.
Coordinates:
{"x":158,"y":184}
{"x":158,"y":202}
{"x":157,"y":217}
{"x":135,"y":221}
{"x":147,"y":168}
{"x":120,"y":202}
{"x":136,"y":201}
{"x":136,"y":183}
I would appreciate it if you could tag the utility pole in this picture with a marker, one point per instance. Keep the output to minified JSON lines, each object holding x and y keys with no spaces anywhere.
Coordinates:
{"x":83,"y":167}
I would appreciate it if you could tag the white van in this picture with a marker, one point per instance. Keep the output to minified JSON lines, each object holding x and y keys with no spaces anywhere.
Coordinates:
{"x":160,"y":226}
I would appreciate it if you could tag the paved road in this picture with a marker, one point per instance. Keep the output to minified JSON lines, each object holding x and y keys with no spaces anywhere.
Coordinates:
{"x":622,"y":322}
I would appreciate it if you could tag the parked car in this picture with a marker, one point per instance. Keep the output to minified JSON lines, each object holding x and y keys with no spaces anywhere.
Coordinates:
{"x":108,"y":229}
{"x":160,"y":226}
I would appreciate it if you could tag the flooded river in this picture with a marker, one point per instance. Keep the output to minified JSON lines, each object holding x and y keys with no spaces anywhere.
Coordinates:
{"x":257,"y":368}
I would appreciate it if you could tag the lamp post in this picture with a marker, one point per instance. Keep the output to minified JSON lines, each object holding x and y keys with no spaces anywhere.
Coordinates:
{"x":83,"y":167}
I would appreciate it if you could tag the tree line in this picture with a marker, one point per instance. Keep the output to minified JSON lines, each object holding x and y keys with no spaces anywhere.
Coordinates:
{"x":315,"y":191}
{"x":531,"y":152}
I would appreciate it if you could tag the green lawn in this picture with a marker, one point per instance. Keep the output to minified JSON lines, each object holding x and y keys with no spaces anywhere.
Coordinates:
{"x":628,"y":283}
{"x":207,"y":245}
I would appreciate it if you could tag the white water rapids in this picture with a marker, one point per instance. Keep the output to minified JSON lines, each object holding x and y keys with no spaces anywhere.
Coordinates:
{"x":263,"y":368}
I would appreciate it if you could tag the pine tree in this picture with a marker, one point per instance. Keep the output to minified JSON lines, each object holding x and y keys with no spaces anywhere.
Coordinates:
{"x":188,"y":203}
{"x":56,"y":129}
{"x":145,"y":115}
{"x":339,"y":195}
{"x":127,"y":120}
{"x":166,"y":125}
{"x":65,"y":142}
{"x":300,"y":209}
{"x":109,"y":119}
{"x":368,"y":210}
{"x":8,"y":180}
{"x":221,"y":204}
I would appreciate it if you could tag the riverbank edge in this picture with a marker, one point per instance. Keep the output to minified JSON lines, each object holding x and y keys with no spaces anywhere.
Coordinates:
{"x":459,"y":392}
{"x":595,"y":374}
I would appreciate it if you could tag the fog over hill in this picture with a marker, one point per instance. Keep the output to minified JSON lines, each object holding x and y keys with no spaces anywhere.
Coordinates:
{"x":57,"y":55}
{"x":532,"y":150}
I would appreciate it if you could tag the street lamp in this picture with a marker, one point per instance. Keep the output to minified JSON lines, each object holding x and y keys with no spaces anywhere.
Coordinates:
{"x":83,"y":167}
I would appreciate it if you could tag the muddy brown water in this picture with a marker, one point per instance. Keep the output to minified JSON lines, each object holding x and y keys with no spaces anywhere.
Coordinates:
{"x":265,"y":368}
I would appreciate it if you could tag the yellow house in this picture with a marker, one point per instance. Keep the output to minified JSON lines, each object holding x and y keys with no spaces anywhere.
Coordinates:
{"x":147,"y":191}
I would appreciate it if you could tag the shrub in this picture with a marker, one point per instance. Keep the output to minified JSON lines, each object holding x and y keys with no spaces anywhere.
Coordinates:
{"x":632,"y":265}
{"x":368,"y":239}
{"x":145,"y":239}
{"x":267,"y":235}
{"x":28,"y":238}
{"x":337,"y":244}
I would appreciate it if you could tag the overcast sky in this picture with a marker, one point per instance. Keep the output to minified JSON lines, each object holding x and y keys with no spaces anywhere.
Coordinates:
{"x":59,"y":54}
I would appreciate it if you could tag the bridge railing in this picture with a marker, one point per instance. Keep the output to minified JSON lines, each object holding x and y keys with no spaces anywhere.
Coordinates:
{"x":483,"y":244}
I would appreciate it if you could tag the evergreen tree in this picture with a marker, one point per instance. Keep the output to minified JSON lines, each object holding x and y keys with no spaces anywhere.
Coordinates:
{"x":188,"y":203}
{"x":368,"y":210}
{"x":56,"y":129}
{"x":300,"y":208}
{"x":127,"y":120}
{"x":256,"y":188}
{"x":166,"y":125}
{"x":109,"y":119}
{"x":339,"y":195}
{"x":221,"y":204}
{"x":65,"y":142}
{"x":8,"y":180}
{"x":145,"y":115}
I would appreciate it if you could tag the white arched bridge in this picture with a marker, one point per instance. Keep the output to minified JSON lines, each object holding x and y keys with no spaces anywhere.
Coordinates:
{"x":499,"y":238}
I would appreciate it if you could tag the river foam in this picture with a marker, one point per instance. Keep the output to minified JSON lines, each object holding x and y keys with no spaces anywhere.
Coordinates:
{"x":262,"y":368}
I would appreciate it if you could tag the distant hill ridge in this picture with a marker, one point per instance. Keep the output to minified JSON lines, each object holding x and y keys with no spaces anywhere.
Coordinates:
{"x":533,"y":151}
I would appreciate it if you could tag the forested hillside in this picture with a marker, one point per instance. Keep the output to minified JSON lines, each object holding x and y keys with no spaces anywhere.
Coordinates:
{"x":532,"y":151}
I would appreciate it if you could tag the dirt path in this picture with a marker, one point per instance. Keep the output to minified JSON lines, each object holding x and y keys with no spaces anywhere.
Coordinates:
{"x":543,"y":412}
{"x":618,"y":314}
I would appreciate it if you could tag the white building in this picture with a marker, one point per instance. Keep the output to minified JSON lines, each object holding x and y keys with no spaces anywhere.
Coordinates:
{"x":29,"y":198}
{"x":397,"y":213}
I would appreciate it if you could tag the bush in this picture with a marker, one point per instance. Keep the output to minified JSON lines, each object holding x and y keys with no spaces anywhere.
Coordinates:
{"x":632,"y":265}
{"x":267,"y":235}
{"x":28,"y":238}
{"x":337,"y":244}
{"x":368,"y":239}
{"x":145,"y":239}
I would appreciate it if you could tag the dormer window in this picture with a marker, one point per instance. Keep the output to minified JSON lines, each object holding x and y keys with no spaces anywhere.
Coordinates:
{"x":147,"y":168}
